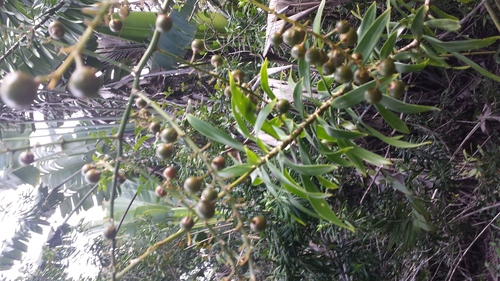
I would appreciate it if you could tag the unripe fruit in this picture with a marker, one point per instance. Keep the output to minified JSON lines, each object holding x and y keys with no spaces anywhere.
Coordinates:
{"x":87,"y":167}
{"x":154,"y":127}
{"x":160,"y":191}
{"x":192,"y":184}
{"x":298,"y":51}
{"x":293,"y":36}
{"x":209,"y":194}
{"x":342,"y":26}
{"x":19,"y":90}
{"x":258,"y":224}
{"x":227,"y":91}
{"x":56,"y":30}
{"x":187,"y":223}
{"x":337,"y":57}
{"x":361,"y":76}
{"x":350,"y":38}
{"x":140,"y":103}
{"x":164,"y":151}
{"x":343,"y":74}
{"x":282,"y":106}
{"x":109,"y":232}
{"x":396,"y":89}
{"x":323,"y":58}
{"x":92,"y":176}
{"x":168,"y":135}
{"x":26,"y":158}
{"x":83,"y":83}
{"x":115,"y":25}
{"x":164,"y":23}
{"x":328,"y":67}
{"x":121,"y":178}
{"x":216,"y":60}
{"x":276,"y":39}
{"x":357,"y":56}
{"x":197,"y":46}
{"x":387,"y":67}
{"x":238,"y":75}
{"x":312,"y":56}
{"x":170,"y":173}
{"x":218,"y":163}
{"x":373,"y":96}
{"x":205,"y":209}
{"x":124,"y":11}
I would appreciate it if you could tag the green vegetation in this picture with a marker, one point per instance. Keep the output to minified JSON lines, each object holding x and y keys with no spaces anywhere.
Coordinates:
{"x":227,"y":140}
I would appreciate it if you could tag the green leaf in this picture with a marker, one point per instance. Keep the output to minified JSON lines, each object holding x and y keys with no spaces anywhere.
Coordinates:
{"x":321,"y":206}
{"x":308,"y":170}
{"x":364,"y":154}
{"x":342,"y":134}
{"x":477,"y":67}
{"x":388,"y":46}
{"x":297,"y":97}
{"x":392,"y":119}
{"x":317,"y":18}
{"x":291,"y":185}
{"x":368,"y":19}
{"x":353,"y":157}
{"x":239,"y":120}
{"x":262,"y":117}
{"x":406,"y":68}
{"x":401,"y":107}
{"x":213,"y":133}
{"x":372,"y":36}
{"x":417,"y":26}
{"x":305,"y":74}
{"x":357,"y":95}
{"x":264,"y":80}
{"x":444,"y":24}
{"x":28,"y":174}
{"x":461,"y":45}
{"x":252,"y":156}
{"x":442,"y":14}
{"x":326,"y":183}
{"x":235,"y":171}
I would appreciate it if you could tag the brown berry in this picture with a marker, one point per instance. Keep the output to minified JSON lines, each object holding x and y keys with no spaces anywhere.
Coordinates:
{"x":187,"y":223}
{"x":92,"y":176}
{"x":115,"y":25}
{"x":282,"y":106}
{"x":192,"y":184}
{"x":216,"y":60}
{"x":396,"y":89}
{"x":387,"y":67}
{"x":19,"y":90}
{"x":154,"y":127}
{"x":361,"y":76}
{"x":209,"y":194}
{"x":258,"y":224}
{"x":160,"y":191}
{"x":293,"y":36}
{"x":170,"y":173}
{"x":342,"y":26}
{"x":343,"y":74}
{"x":84,"y":84}
{"x":218,"y":163}
{"x":164,"y":23}
{"x":26,"y":158}
{"x":109,"y":232}
{"x":87,"y":167}
{"x":56,"y":30}
{"x":350,"y":38}
{"x":124,"y":11}
{"x":328,"y":67}
{"x":238,"y":75}
{"x":168,"y":135}
{"x":276,"y":39}
{"x":205,"y":209}
{"x":140,"y":103}
{"x":298,"y":51}
{"x":373,"y":96}
{"x":164,"y":151}
{"x":197,"y":46}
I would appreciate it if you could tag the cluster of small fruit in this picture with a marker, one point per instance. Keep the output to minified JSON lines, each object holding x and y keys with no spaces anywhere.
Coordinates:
{"x":339,"y":60}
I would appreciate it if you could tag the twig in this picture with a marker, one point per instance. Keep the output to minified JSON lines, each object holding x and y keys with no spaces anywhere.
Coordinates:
{"x":470,"y":246}
{"x":16,"y":45}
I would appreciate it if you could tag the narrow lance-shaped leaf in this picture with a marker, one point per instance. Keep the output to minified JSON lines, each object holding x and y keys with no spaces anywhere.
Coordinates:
{"x":372,"y":37}
{"x":461,"y":45}
{"x":308,"y":170}
{"x":443,"y":24}
{"x":321,"y":206}
{"x":392,"y":119}
{"x":417,"y":26}
{"x":213,"y":133}
{"x":477,"y":67}
{"x":264,"y":80}
{"x":399,"y":106}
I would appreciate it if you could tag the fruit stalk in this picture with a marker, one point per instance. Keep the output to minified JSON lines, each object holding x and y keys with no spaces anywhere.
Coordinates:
{"x":80,"y":45}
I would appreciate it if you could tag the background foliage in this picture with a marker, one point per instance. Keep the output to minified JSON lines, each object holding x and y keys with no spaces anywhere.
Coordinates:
{"x":406,"y":189}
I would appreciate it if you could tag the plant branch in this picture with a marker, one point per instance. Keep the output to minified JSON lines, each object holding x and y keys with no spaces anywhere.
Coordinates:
{"x":16,"y":45}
